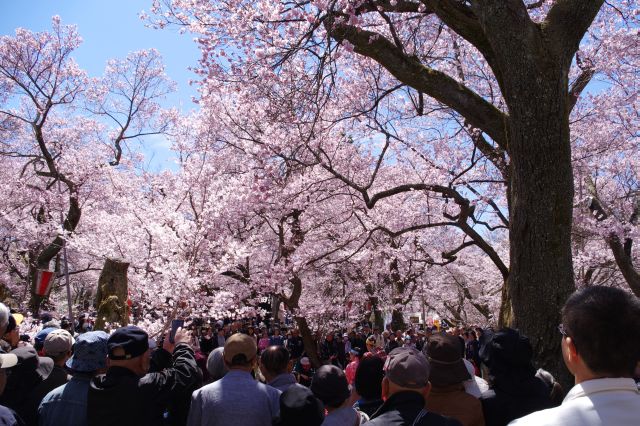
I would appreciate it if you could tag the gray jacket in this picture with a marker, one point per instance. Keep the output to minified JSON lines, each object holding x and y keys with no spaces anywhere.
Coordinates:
{"x":236,"y":399}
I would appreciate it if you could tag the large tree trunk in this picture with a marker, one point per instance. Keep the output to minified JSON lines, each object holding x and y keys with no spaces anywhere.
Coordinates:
{"x":112,"y":295}
{"x":310,"y":345}
{"x":44,"y":258}
{"x":397,"y":319}
{"x":541,"y":196}
{"x":541,"y":273}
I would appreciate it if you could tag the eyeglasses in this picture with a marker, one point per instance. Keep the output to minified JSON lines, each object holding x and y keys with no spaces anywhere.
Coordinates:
{"x":562,"y":330}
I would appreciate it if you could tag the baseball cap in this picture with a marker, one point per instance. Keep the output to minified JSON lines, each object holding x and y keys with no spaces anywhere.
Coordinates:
{"x":133,"y":340}
{"x":8,"y":360}
{"x":89,"y":352}
{"x":41,"y":336}
{"x":58,"y":342}
{"x":304,"y":361}
{"x":407,"y":367}
{"x":330,"y":385}
{"x":28,"y":360}
{"x":14,"y":321}
{"x":443,"y":351}
{"x":240,"y":344}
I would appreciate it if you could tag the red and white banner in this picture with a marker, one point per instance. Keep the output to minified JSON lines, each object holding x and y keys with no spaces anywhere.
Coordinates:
{"x":44,"y":281}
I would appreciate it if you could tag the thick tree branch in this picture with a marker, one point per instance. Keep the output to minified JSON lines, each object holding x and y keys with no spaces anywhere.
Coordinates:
{"x":410,"y":71}
{"x":566,"y":23}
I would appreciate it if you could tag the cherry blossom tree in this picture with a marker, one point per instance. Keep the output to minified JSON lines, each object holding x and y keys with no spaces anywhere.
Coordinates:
{"x":498,"y":78}
{"x":59,"y":128}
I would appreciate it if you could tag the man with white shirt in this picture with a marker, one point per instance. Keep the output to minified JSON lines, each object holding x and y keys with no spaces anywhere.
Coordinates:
{"x":601,"y":348}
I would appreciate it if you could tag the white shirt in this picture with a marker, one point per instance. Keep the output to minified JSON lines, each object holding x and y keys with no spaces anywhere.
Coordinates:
{"x":605,"y":402}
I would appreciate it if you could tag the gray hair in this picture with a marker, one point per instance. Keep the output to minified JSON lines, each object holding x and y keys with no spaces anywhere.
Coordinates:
{"x":215,"y":364}
{"x":4,"y":318}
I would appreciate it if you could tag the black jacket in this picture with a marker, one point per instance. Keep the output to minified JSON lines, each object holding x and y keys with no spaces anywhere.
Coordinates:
{"x":122,"y":398}
{"x":402,"y":408}
{"x":510,"y":399}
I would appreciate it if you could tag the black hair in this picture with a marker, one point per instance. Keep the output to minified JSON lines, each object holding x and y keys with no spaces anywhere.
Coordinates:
{"x":604,"y":324}
{"x":275,"y":359}
{"x":240,"y":360}
{"x":369,"y":375}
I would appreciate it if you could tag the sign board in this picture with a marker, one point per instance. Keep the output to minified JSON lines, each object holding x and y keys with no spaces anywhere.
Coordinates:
{"x":44,"y":282}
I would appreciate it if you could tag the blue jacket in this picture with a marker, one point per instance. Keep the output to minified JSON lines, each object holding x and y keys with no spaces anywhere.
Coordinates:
{"x":66,"y":404}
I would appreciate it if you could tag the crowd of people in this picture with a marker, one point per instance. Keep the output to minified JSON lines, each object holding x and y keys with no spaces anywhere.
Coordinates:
{"x":235,"y":373}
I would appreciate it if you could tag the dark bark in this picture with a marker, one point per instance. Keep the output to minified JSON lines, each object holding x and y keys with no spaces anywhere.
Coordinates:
{"x":310,"y":344}
{"x":112,"y":295}
{"x":397,"y":320}
{"x":625,"y":263}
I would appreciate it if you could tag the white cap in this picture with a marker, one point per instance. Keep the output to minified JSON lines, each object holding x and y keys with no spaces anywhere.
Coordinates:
{"x":8,"y":360}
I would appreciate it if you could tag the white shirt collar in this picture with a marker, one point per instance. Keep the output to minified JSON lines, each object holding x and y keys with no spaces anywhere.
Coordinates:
{"x":590,"y":387}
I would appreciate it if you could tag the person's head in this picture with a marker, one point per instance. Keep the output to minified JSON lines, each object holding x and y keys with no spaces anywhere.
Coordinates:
{"x":371,"y":343}
{"x":276,"y":331}
{"x":215,"y":364}
{"x":508,"y":353}
{"x":447,"y":367}
{"x":38,"y":341}
{"x":329,"y":337}
{"x":298,"y":406}
{"x":354,"y":353}
{"x":264,"y":333}
{"x":330,"y":386}
{"x":240,"y":352}
{"x":295,"y":332}
{"x":129,"y":348}
{"x":305,"y":363}
{"x":368,"y":379}
{"x":601,"y":337}
{"x":406,"y":369}
{"x":89,"y":353}
{"x":4,"y":319}
{"x":274,"y":361}
{"x":12,"y":333}
{"x":57,"y":346}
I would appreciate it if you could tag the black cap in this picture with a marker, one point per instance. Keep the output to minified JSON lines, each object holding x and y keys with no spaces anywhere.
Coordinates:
{"x":28,"y":360}
{"x":330,"y":385}
{"x":133,"y":340}
{"x":298,"y":407}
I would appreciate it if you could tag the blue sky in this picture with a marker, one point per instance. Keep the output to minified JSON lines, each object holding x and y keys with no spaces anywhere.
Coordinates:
{"x":112,"y":29}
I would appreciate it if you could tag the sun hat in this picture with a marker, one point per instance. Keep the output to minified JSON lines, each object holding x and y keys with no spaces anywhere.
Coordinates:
{"x":89,"y":352}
